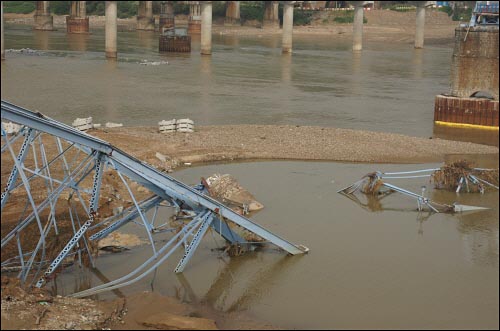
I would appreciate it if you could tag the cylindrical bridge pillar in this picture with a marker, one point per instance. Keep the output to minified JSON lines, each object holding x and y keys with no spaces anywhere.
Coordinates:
{"x":357,"y":35}
{"x":419,"y":27}
{"x":111,"y":29}
{"x":206,"y":28}
{"x":286,"y":46}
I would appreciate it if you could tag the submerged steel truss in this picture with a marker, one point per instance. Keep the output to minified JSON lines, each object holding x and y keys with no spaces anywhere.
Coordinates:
{"x":71,"y":177}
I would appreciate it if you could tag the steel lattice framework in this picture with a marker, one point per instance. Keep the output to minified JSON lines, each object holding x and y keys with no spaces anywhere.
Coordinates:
{"x":72,"y":178}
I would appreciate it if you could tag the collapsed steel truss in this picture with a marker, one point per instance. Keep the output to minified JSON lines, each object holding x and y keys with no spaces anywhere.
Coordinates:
{"x":66,"y":177}
{"x":375,"y":184}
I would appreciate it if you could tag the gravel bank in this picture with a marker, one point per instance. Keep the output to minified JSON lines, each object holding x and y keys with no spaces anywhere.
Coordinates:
{"x":254,"y":142}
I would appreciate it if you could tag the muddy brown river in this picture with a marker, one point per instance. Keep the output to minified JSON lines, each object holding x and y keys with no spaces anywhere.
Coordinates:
{"x":388,"y":87}
{"x":381,"y":266}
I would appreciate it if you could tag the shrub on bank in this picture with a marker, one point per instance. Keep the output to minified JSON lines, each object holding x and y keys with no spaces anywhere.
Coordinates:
{"x":19,"y":7}
{"x":347,"y":17}
{"x":250,"y":12}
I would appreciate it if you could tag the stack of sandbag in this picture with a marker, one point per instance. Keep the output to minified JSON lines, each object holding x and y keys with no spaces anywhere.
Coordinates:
{"x":185,"y":125}
{"x":167,"y":126}
{"x":181,"y":125}
{"x":83,"y":124}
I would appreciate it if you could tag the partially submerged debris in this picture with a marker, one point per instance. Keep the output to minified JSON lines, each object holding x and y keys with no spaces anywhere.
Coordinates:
{"x":461,"y":175}
{"x":454,"y":176}
{"x":119,"y":242}
{"x":226,"y":189}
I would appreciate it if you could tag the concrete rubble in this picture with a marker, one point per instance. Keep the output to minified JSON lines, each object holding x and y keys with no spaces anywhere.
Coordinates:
{"x":226,"y":189}
{"x":11,"y":128}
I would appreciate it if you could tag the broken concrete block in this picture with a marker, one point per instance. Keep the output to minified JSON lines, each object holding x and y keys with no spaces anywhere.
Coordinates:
{"x":113,"y":125}
{"x":11,"y":128}
{"x":83,"y":124}
{"x":162,"y":157}
{"x":117,"y":210}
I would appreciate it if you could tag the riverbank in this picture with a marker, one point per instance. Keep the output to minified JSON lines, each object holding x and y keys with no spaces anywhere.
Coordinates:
{"x":231,"y":143}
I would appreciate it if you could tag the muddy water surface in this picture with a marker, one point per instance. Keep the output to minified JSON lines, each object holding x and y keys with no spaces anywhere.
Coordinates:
{"x":388,"y":87}
{"x":380,"y":266}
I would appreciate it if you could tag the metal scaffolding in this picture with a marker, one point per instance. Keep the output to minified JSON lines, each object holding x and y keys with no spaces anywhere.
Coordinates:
{"x":72,"y":180}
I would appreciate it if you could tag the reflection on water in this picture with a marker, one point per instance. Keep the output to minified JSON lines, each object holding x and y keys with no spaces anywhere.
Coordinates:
{"x":418,"y":56}
{"x":480,"y":136}
{"x":78,"y":41}
{"x":363,"y":266}
{"x":41,"y":39}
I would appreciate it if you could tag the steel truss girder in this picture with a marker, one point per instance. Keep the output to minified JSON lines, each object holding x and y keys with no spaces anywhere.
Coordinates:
{"x":209,"y":212}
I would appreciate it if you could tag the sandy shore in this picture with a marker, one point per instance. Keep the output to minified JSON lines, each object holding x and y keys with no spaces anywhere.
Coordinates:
{"x":283,"y":142}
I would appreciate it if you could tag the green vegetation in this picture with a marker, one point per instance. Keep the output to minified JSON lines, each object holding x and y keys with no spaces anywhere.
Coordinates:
{"x":347,"y":17}
{"x":462,"y":14}
{"x":218,"y":9}
{"x":458,"y":13}
{"x":302,"y":17}
{"x":181,"y":9}
{"x":60,"y":7}
{"x":19,"y":7}
{"x":402,"y":8}
{"x":446,"y":9}
{"x":251,"y":11}
{"x":125,"y":8}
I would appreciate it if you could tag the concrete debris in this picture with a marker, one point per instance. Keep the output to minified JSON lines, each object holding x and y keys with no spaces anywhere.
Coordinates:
{"x":113,"y":125}
{"x":181,"y":125}
{"x":11,"y":128}
{"x":83,"y":124}
{"x":162,"y":157}
{"x":118,"y":239}
{"x":27,"y":51}
{"x":152,"y":63}
{"x":117,"y":210}
{"x":227,"y":189}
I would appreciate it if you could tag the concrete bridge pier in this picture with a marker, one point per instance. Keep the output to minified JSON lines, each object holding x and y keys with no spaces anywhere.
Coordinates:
{"x":194,"y":20}
{"x":167,"y":15}
{"x":206,"y":28}
{"x":1,"y":36}
{"x":232,"y":14}
{"x":77,"y":21}
{"x":271,"y":17}
{"x":357,"y":35}
{"x":473,"y":96}
{"x":43,"y":19}
{"x":286,"y":45}
{"x":145,"y":19}
{"x":111,"y":29}
{"x":420,"y":24}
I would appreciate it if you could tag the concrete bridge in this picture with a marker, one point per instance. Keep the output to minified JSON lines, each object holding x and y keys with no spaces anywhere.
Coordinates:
{"x":200,"y":21}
